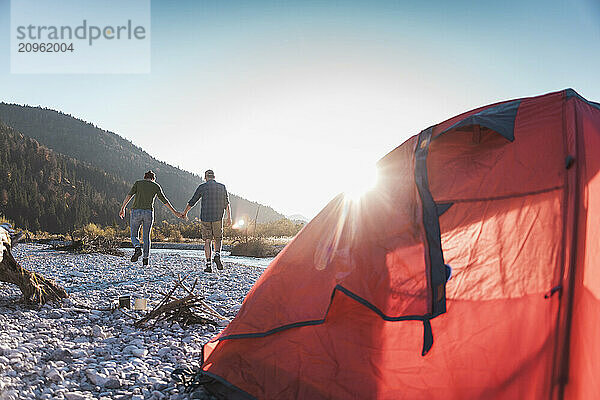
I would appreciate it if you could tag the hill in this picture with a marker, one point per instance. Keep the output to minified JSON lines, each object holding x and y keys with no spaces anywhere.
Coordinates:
{"x":43,"y":190}
{"x":298,"y":218}
{"x":117,"y":156}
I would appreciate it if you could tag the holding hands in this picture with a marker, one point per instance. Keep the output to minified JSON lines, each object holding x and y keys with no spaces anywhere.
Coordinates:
{"x":177,"y":214}
{"x":182,"y":215}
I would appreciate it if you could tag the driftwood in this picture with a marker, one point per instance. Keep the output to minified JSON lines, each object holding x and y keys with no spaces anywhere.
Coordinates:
{"x":35,"y":288}
{"x":88,"y":244}
{"x":188,"y":310}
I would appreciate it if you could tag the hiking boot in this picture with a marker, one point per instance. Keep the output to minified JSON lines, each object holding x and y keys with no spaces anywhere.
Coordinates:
{"x":208,"y":268}
{"x":136,"y":254}
{"x":145,"y":261}
{"x":217,"y":260}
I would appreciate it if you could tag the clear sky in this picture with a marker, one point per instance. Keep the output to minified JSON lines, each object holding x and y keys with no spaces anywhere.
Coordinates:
{"x":293,"y":102}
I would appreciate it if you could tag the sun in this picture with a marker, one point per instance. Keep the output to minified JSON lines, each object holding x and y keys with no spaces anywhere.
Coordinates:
{"x":359,"y":180}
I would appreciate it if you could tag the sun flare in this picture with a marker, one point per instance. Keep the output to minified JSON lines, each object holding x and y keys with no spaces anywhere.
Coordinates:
{"x":360,"y":180}
{"x":238,"y":224}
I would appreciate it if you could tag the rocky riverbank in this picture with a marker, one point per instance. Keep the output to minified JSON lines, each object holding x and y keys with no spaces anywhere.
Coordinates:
{"x":72,"y":352}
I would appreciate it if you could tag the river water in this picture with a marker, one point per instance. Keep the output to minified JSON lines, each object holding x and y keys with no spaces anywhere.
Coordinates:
{"x":250,"y":261}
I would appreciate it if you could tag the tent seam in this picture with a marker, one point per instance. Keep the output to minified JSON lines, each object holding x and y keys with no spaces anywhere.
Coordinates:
{"x":314,"y":322}
{"x":434,"y":255}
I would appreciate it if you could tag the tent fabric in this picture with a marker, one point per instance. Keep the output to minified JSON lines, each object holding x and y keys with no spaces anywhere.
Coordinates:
{"x":583,"y":350}
{"x":359,"y":304}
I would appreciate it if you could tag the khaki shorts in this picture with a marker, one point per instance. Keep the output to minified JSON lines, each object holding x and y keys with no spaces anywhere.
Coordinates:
{"x":212,"y":230}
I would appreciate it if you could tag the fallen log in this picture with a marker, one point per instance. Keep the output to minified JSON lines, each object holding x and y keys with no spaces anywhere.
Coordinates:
{"x":36,"y":289}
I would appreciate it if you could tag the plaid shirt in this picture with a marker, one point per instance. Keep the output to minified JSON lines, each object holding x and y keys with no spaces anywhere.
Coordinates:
{"x":214,"y":200}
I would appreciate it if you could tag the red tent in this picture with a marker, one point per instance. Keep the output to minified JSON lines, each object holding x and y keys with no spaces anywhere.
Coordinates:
{"x":506,"y":198}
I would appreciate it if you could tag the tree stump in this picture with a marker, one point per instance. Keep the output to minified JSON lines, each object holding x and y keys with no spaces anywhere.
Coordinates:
{"x":35,"y":288}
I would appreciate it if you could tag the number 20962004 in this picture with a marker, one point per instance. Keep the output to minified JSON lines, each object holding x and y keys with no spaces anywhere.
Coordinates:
{"x":45,"y":47}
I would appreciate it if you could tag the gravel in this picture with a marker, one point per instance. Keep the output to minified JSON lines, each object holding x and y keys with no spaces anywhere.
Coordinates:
{"x":71,"y":352}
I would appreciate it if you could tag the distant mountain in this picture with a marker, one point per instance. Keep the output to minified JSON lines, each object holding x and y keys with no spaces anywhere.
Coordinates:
{"x":117,"y":156}
{"x":43,"y":190}
{"x":298,"y":218}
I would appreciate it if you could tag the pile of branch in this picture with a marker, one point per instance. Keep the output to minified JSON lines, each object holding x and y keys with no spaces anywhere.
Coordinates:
{"x":97,"y":244}
{"x":188,"y":310}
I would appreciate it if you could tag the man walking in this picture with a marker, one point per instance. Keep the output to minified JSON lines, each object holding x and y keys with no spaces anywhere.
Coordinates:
{"x":142,"y":212}
{"x":214,"y":202}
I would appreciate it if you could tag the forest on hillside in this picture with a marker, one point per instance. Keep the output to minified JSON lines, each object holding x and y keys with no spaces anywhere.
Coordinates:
{"x":43,"y":190}
{"x":117,"y":156}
